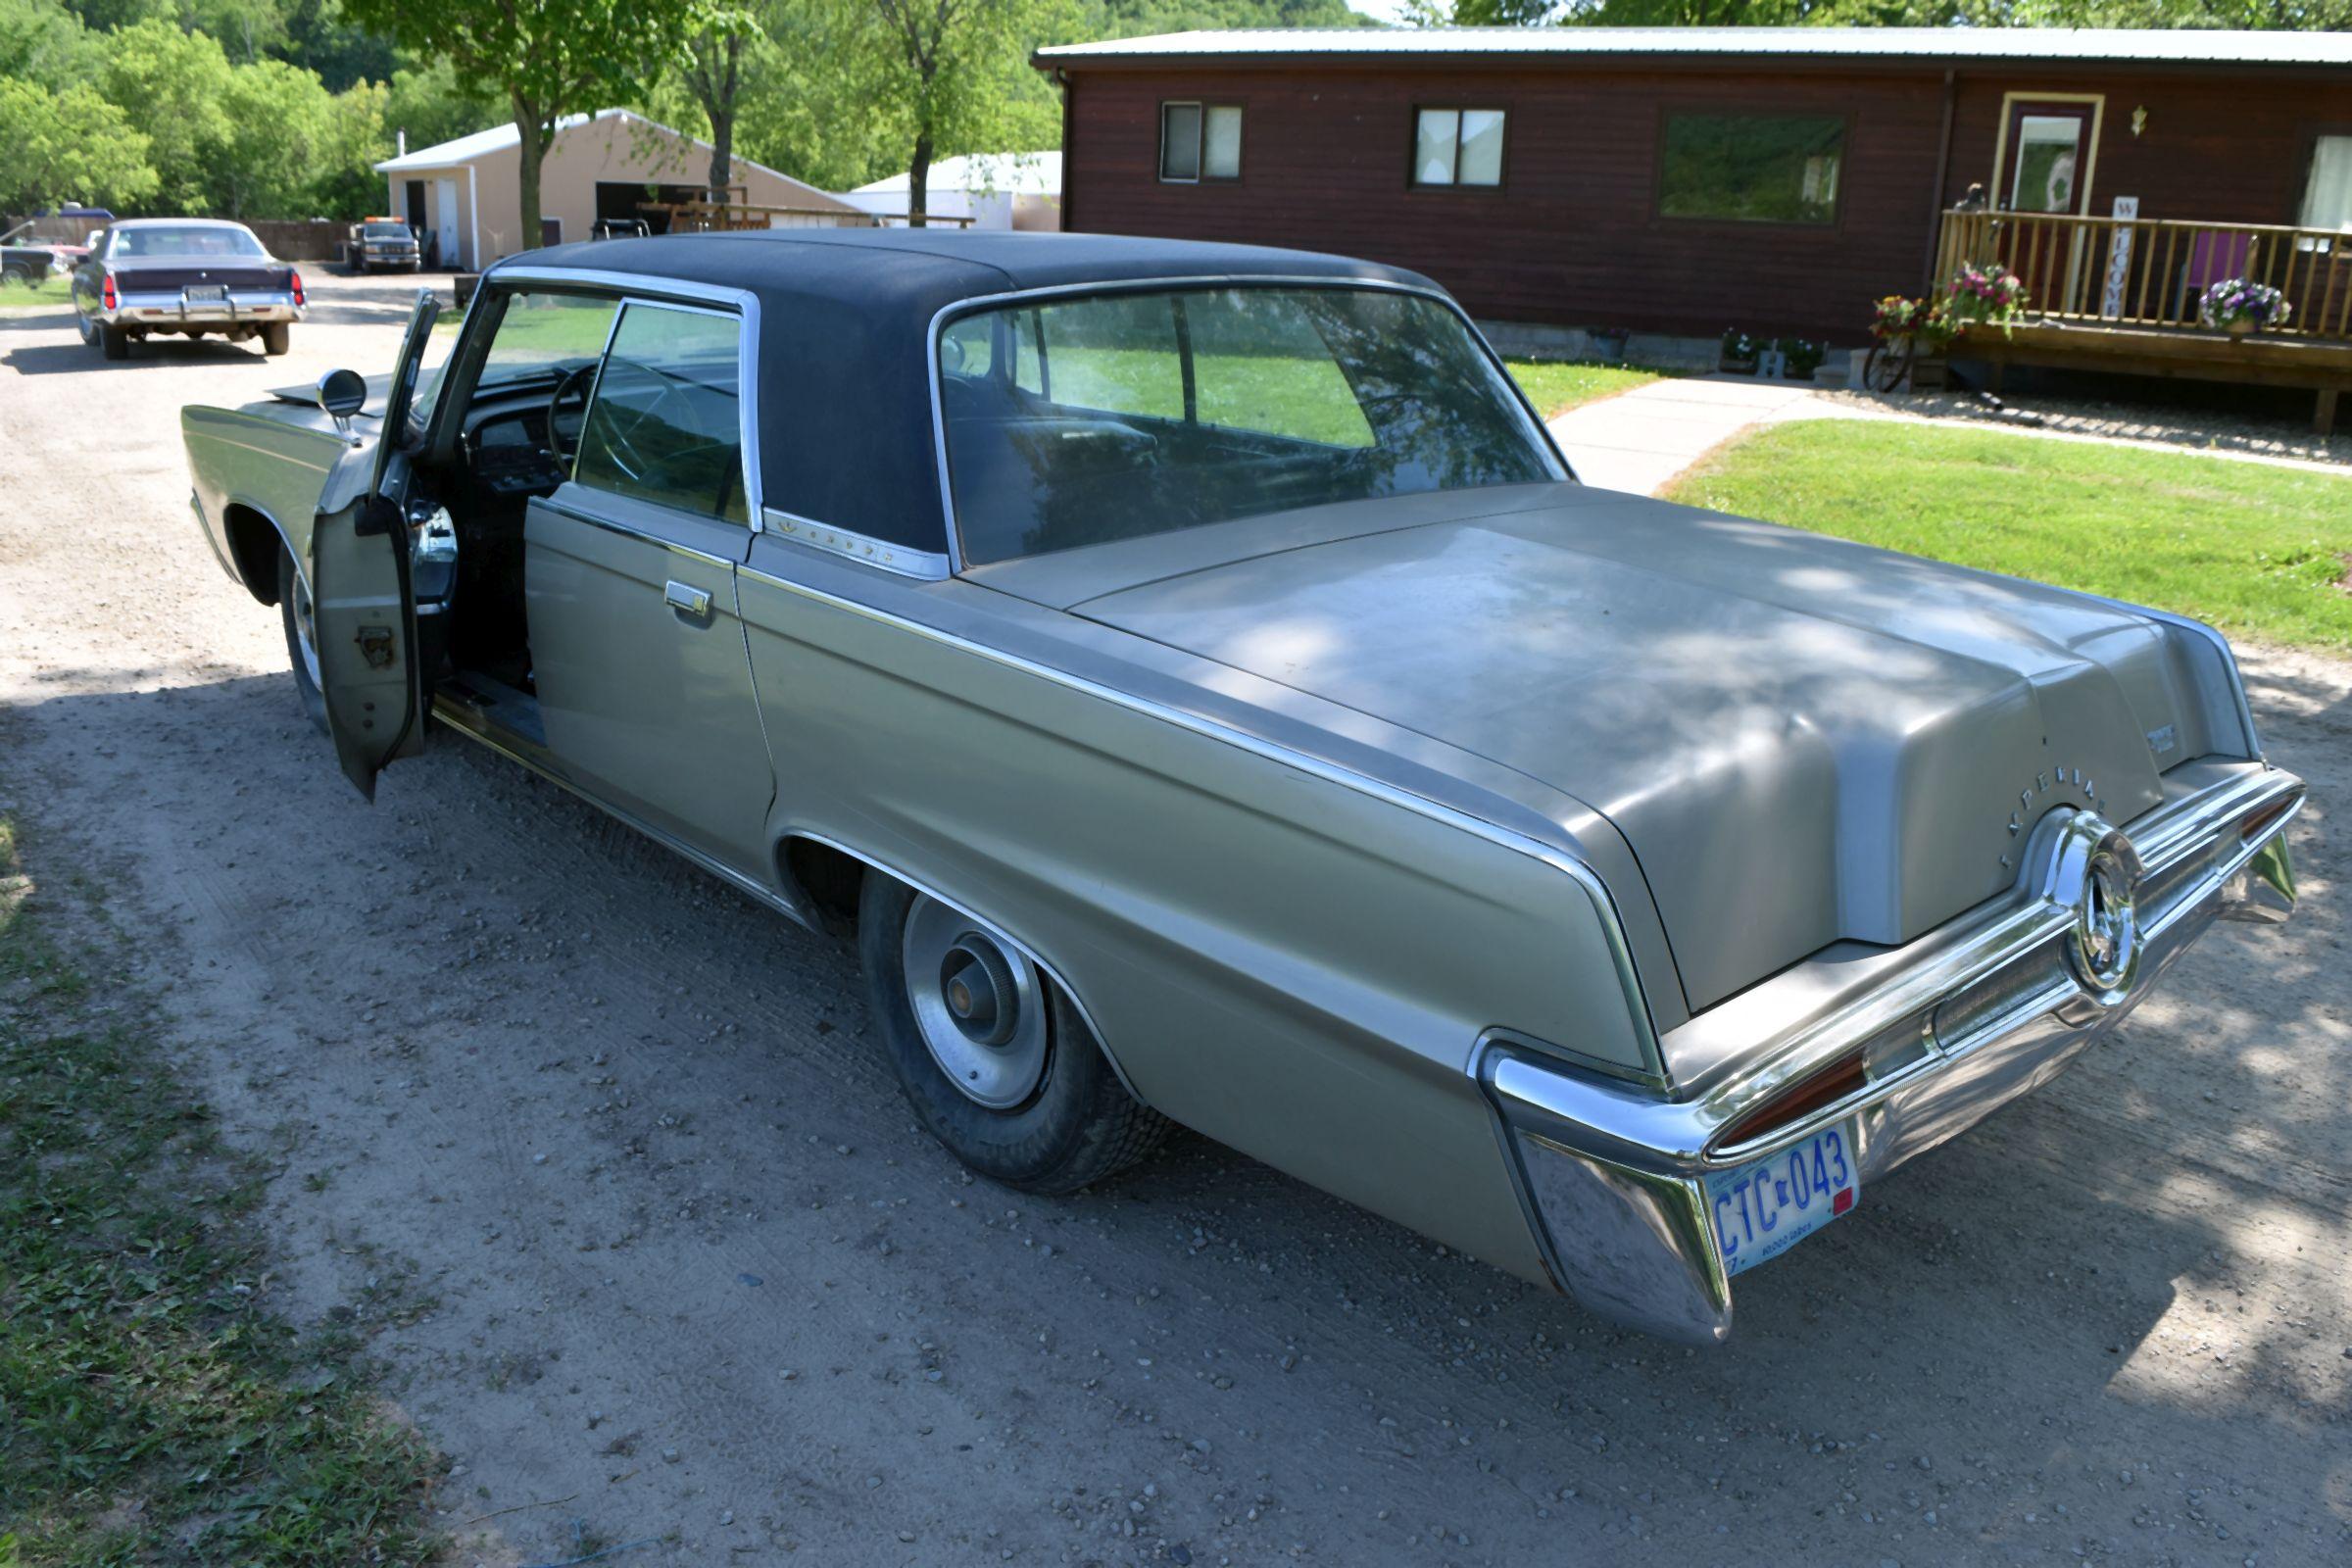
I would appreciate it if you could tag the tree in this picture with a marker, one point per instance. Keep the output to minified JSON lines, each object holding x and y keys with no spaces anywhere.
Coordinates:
{"x":956,"y":73}
{"x":715,"y":75}
{"x":549,"y":58}
{"x":68,"y":146}
{"x":173,"y":83}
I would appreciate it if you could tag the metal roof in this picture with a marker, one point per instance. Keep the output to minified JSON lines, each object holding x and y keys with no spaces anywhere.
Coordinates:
{"x":2128,"y":44}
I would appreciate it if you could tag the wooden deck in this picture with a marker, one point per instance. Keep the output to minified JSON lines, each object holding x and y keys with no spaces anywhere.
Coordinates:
{"x":2122,"y":295}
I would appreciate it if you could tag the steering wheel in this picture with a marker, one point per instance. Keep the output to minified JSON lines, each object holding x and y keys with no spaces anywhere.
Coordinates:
{"x":575,"y":379}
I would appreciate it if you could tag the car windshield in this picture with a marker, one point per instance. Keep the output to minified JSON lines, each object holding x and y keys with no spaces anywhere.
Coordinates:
{"x":1079,"y":422}
{"x":191,"y":240}
{"x":385,"y":231}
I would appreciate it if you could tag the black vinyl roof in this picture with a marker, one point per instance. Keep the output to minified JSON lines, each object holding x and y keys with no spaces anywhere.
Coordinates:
{"x":844,"y":314}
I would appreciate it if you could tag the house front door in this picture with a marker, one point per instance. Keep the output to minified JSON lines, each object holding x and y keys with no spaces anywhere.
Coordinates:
{"x":2047,"y":157}
{"x":445,"y":222}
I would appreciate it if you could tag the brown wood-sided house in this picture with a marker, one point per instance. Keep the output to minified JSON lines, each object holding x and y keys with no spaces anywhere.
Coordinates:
{"x":1776,"y":181}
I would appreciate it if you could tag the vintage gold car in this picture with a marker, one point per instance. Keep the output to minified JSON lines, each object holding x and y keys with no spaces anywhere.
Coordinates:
{"x":1205,"y":689}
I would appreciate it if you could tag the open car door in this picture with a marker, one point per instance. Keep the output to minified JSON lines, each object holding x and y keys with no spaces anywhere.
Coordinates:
{"x":362,"y":600}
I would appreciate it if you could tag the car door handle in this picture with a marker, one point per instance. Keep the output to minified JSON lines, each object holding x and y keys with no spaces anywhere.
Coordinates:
{"x":686,"y":599}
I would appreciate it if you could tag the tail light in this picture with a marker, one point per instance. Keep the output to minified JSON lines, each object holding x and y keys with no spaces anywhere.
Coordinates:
{"x":2254,"y":826}
{"x":1798,"y":1100}
{"x":107,"y":297}
{"x":294,"y":282}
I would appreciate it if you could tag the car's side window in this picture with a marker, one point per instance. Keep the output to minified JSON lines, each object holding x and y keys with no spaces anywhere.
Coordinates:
{"x":665,"y":423}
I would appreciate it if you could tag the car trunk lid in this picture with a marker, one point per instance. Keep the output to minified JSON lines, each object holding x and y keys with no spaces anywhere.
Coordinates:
{"x":1803,"y":739}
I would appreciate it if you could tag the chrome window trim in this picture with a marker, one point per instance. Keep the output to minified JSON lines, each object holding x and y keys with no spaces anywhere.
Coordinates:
{"x":1597,"y":893}
{"x":1156,"y":285}
{"x":927,"y":566}
{"x":634,"y":286}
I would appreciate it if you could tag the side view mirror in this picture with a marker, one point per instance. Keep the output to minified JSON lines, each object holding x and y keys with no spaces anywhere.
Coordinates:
{"x":342,"y":394}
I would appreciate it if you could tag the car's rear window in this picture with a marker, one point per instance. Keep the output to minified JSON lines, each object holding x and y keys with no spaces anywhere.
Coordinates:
{"x":191,"y":240}
{"x":1076,"y":422}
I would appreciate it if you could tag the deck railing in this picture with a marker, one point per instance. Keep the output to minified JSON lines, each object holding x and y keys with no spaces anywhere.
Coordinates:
{"x":2152,"y":272}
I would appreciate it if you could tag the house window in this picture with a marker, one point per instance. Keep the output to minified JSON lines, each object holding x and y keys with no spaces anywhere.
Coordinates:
{"x":2328,"y":195}
{"x":1752,"y":169}
{"x":1199,"y":141}
{"x":1458,"y":147}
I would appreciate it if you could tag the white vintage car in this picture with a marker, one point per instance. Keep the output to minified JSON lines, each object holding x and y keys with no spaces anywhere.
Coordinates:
{"x":1209,"y":696}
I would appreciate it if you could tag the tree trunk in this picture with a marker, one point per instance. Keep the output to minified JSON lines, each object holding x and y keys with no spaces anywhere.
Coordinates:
{"x":529,"y":155}
{"x":723,"y":153}
{"x":918,"y":183}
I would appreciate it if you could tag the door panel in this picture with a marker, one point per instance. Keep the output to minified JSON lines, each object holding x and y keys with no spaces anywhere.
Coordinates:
{"x":644,"y":681}
{"x":364,"y":607}
{"x":367,"y":633}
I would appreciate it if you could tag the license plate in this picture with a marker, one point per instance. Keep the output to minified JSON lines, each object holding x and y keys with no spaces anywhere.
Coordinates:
{"x":205,"y":293}
{"x":1764,"y":1207}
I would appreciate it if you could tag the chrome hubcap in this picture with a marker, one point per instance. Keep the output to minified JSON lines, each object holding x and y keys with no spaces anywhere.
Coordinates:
{"x":305,"y":629}
{"x":979,"y":1002}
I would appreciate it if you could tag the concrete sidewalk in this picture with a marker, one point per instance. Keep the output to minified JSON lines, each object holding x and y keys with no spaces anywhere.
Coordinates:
{"x":1639,"y":440}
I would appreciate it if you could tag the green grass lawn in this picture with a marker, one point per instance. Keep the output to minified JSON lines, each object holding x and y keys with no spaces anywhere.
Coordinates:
{"x":50,"y":292}
{"x":1555,"y":386}
{"x":152,"y":1410}
{"x":2257,"y":550}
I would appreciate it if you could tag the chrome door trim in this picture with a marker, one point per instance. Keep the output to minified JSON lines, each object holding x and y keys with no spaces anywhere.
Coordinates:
{"x":1597,"y":893}
{"x":1149,"y":286}
{"x":637,"y":287}
{"x":571,"y":513}
{"x":516,"y":749}
{"x":929,"y":566}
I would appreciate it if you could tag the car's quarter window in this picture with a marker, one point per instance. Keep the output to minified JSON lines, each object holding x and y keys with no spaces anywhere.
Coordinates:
{"x":541,"y":333}
{"x":665,"y":423}
{"x":1141,"y":413}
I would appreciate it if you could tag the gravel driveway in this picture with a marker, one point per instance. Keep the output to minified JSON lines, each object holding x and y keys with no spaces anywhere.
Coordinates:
{"x":606,"y":1155}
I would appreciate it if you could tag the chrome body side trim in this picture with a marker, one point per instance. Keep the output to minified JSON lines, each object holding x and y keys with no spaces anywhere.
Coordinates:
{"x":1158,"y":285}
{"x":928,"y":565}
{"x":1613,"y":1179}
{"x":1597,"y":894}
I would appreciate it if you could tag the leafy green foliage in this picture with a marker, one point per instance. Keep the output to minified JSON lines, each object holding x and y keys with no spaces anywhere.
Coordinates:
{"x":151,"y":1410}
{"x":70,"y":141}
{"x":547,"y":59}
{"x":2252,"y":548}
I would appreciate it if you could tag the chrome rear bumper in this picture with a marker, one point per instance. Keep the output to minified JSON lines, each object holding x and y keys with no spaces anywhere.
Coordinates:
{"x":1951,"y":1028}
{"x":170,"y":309}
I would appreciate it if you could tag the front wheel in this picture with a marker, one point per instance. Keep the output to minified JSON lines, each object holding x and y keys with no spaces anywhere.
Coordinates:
{"x":997,"y":1062}
{"x":277,"y":338}
{"x":301,"y":624}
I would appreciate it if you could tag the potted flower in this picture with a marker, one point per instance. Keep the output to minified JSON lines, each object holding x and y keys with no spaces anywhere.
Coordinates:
{"x":1911,"y":337}
{"x":1799,"y":357}
{"x":2240,"y":306}
{"x":1740,"y":351}
{"x":1983,"y":294}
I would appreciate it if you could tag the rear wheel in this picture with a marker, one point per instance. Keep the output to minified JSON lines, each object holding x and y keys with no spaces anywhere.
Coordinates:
{"x":277,"y":338}
{"x":113,"y":342}
{"x":301,"y":623}
{"x":997,"y":1062}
